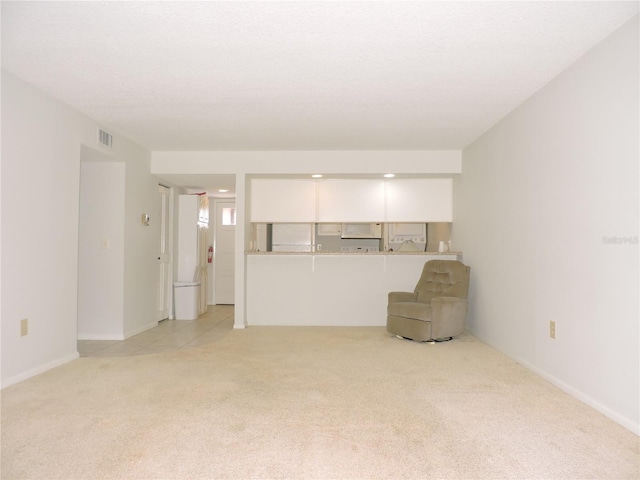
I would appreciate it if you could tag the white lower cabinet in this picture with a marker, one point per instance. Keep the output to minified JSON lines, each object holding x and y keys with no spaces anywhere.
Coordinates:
{"x":348,"y":290}
{"x":279,"y":289}
{"x":328,"y":290}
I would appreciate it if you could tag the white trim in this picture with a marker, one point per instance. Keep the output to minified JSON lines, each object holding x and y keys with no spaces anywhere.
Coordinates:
{"x":171,"y":227}
{"x":627,"y":423}
{"x":100,"y":336}
{"x":40,"y":369}
{"x":243,"y":198}
{"x":584,"y":398}
{"x":111,"y":336}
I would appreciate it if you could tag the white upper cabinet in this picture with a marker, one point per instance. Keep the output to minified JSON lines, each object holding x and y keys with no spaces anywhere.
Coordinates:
{"x":420,"y":200}
{"x":283,"y":200}
{"x":350,"y":200}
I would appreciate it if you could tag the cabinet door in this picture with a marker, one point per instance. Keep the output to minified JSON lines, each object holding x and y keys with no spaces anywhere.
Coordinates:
{"x":283,"y":200}
{"x":349,"y":201}
{"x":329,"y":229}
{"x":420,"y":200}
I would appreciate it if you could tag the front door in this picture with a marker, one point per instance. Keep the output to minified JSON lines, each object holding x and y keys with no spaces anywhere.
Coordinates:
{"x":224,"y":253}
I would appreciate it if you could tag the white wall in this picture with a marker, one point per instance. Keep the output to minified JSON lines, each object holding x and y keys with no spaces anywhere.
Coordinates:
{"x":308,"y":162}
{"x":41,"y":150}
{"x":101,"y":251}
{"x":540,"y":196}
{"x":116,"y":303}
{"x":40,"y":161}
{"x":142,"y":243}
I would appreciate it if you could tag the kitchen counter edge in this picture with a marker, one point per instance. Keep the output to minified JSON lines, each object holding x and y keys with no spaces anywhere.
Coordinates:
{"x":353,"y":253}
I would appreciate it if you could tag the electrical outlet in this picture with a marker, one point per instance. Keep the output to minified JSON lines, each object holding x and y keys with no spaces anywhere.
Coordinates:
{"x":552,"y":329}
{"x":24,"y":327}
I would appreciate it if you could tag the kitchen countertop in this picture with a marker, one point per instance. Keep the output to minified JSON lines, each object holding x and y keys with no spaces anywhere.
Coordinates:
{"x":353,"y":253}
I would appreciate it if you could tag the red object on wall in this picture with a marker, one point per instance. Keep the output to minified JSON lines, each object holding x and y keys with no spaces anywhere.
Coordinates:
{"x":210,"y":254}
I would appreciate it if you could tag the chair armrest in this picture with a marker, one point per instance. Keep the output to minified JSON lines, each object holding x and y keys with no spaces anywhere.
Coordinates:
{"x":402,"y":297}
{"x":448,"y":315}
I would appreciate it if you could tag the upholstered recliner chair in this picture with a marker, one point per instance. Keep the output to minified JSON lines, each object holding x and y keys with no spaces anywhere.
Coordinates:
{"x":437,"y":308}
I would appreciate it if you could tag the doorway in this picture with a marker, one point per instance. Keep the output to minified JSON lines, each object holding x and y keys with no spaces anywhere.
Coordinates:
{"x":163,"y":303}
{"x":224,"y":252}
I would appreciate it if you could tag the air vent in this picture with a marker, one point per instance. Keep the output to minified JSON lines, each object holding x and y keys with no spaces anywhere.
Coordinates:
{"x":105,"y":138}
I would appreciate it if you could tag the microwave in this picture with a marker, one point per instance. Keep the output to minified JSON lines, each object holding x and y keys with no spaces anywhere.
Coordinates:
{"x":361,"y":230}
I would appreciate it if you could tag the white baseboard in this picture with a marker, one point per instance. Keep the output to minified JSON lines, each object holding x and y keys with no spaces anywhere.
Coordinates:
{"x":40,"y":369}
{"x":586,"y":399}
{"x":112,"y":336}
{"x":574,"y":392}
{"x":99,"y":336}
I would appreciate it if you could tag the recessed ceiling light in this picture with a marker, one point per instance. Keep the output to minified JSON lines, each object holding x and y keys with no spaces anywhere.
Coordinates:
{"x":223,"y":190}
{"x":316,"y":175}
{"x":389,"y":175}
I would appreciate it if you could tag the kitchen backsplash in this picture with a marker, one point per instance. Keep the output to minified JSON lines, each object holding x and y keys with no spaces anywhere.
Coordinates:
{"x":327,"y":238}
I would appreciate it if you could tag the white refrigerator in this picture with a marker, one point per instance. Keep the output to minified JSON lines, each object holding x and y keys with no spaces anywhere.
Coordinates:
{"x":193,"y":225}
{"x":292,"y":237}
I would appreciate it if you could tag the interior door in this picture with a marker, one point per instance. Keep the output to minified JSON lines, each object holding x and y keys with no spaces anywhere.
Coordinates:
{"x":203,"y":267}
{"x":224,"y":253}
{"x":163,"y":256}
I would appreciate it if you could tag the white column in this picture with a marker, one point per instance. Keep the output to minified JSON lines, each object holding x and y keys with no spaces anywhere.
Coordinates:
{"x":242,"y":226}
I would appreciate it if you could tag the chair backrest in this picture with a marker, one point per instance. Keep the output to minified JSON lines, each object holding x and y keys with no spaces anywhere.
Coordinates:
{"x":443,"y":278}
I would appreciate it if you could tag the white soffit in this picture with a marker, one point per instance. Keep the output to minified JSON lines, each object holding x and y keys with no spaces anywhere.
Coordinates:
{"x":306,"y":75}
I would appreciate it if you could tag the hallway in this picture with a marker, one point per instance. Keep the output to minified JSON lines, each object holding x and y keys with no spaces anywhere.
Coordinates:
{"x":167,"y":336}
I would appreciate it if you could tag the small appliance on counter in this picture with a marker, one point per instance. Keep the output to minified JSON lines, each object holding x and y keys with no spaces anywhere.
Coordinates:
{"x":400,"y":232}
{"x":408,"y":237}
{"x":361,"y":230}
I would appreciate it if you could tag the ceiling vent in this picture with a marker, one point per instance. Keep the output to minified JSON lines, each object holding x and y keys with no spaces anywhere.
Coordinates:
{"x":105,"y":139}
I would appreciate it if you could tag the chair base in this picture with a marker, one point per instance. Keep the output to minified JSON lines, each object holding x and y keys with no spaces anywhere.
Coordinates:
{"x":420,"y":330}
{"x":445,"y":339}
{"x":433,"y":340}
{"x":408,"y":328}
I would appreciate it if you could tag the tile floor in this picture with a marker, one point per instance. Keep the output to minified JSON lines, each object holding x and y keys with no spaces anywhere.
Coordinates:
{"x":168,"y":335}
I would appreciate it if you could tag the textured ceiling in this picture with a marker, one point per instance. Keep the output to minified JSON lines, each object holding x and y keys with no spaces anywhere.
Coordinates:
{"x":299,"y":75}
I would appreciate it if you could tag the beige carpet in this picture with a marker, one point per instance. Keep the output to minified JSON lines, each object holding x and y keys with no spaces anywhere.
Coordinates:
{"x":304,"y":403}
